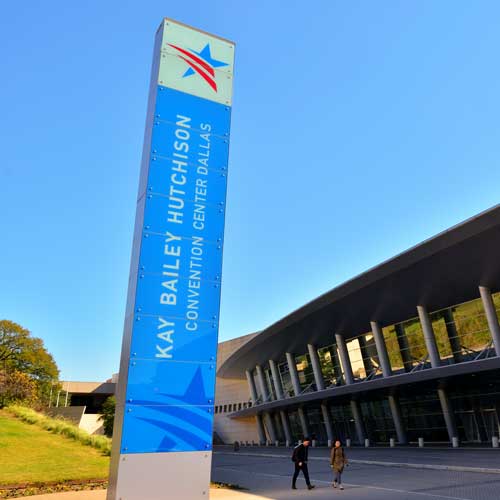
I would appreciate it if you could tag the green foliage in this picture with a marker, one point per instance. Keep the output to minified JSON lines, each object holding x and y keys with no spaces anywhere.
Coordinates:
{"x":16,"y":387}
{"x":22,"y":353}
{"x":108,"y":415}
{"x":61,"y":427}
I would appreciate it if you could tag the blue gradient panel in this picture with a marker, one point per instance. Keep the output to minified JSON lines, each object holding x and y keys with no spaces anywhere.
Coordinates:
{"x":203,"y":301}
{"x":170,"y":383}
{"x":155,"y":245}
{"x":198,"y":154}
{"x":194,"y":346}
{"x":158,"y":216}
{"x":171,"y":378}
{"x":211,"y":189}
{"x":169,"y":428}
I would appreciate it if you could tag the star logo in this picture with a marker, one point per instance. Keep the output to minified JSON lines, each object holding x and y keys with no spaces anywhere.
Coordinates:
{"x":201,"y":63}
{"x":184,"y":420}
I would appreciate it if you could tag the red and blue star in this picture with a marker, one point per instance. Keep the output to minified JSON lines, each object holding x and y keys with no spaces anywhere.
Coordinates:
{"x":201,"y":63}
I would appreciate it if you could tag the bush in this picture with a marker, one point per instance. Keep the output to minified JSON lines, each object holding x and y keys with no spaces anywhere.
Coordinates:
{"x":61,"y":427}
{"x":108,"y":415}
{"x":16,"y":388}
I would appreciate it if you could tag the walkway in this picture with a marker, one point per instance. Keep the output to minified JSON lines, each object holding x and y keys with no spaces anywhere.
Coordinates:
{"x":268,"y":474}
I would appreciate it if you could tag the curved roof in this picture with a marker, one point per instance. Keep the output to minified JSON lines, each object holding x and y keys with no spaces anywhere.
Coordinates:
{"x":443,"y":270}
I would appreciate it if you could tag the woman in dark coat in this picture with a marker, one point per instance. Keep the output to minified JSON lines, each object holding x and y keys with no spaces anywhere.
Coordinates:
{"x":338,"y":461}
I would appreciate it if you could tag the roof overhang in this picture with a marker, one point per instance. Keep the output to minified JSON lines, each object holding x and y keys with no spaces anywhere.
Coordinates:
{"x":444,"y":270}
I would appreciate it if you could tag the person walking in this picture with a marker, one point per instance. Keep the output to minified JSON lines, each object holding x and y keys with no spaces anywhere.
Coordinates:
{"x":299,"y":458}
{"x":338,"y":461}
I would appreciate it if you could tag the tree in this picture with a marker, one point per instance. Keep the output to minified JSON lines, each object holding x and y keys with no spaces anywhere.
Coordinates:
{"x":108,"y":415}
{"x":16,"y":387}
{"x":22,"y":353}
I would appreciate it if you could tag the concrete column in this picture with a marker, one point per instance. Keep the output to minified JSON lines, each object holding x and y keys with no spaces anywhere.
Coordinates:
{"x":451,"y":330}
{"x":271,"y":430}
{"x":344,"y":356}
{"x":491,"y":316}
{"x":477,"y":413}
{"x":358,"y":421}
{"x":429,"y":337}
{"x":367,"y":361}
{"x":260,"y":429}
{"x":328,"y":421}
{"x":398,"y":422}
{"x":383,"y":357}
{"x":286,"y":426}
{"x":303,"y":421}
{"x":280,"y":435}
{"x":276,"y":379}
{"x":316,"y":366}
{"x":292,"y":368}
{"x":449,"y":416}
{"x":404,"y":347}
{"x":251,"y":386}
{"x":262,"y":383}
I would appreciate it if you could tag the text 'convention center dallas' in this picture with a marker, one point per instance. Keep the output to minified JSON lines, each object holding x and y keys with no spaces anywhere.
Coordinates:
{"x":407,"y":351}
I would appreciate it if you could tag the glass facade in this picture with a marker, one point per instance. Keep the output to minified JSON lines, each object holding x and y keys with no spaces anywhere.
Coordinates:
{"x":475,"y":401}
{"x":305,"y":373}
{"x":295,"y":427}
{"x":466,"y":329}
{"x":286,"y":379}
{"x":397,"y":349}
{"x":317,"y":429}
{"x":377,"y":419}
{"x":423,"y":417}
{"x":462,"y":334}
{"x":342,"y":421}
{"x":331,"y":366}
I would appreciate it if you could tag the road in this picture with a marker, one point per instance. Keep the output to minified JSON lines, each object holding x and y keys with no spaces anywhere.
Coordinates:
{"x":270,"y":477}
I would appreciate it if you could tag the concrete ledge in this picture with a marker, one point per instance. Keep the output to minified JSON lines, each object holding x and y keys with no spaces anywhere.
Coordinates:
{"x":457,"y":468}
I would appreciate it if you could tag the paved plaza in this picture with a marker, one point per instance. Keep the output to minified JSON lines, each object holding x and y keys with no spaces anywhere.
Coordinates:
{"x":267,"y":473}
{"x":458,"y":458}
{"x":408,"y":474}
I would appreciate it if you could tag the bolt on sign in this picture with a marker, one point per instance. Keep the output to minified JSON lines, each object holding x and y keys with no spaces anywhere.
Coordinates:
{"x":163,"y":425}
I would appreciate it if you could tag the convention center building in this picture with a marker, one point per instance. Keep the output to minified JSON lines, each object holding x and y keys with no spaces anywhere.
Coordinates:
{"x":408,"y":350}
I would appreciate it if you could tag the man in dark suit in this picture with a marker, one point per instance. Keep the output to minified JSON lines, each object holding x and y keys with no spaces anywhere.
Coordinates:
{"x":299,"y":458}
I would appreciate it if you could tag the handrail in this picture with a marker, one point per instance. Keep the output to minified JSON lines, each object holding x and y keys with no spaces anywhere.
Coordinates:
{"x":371,"y":375}
{"x":306,"y":389}
{"x":420,"y":364}
{"x":486,"y":351}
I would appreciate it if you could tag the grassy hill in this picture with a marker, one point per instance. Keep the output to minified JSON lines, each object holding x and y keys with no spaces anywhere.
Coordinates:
{"x":29,"y":454}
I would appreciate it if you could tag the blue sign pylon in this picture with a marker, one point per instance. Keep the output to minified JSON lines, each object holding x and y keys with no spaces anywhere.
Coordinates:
{"x":166,"y":387}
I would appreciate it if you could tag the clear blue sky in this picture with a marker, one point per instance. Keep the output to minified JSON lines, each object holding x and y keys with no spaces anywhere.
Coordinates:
{"x":359,"y":128}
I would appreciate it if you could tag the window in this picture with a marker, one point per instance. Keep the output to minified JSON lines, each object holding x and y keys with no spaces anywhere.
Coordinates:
{"x":304,"y":371}
{"x":396,"y":346}
{"x":286,"y":381}
{"x":330,"y":365}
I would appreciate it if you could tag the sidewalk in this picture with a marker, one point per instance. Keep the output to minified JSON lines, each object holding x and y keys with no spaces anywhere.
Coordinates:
{"x":215,"y":494}
{"x":485,"y":460}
